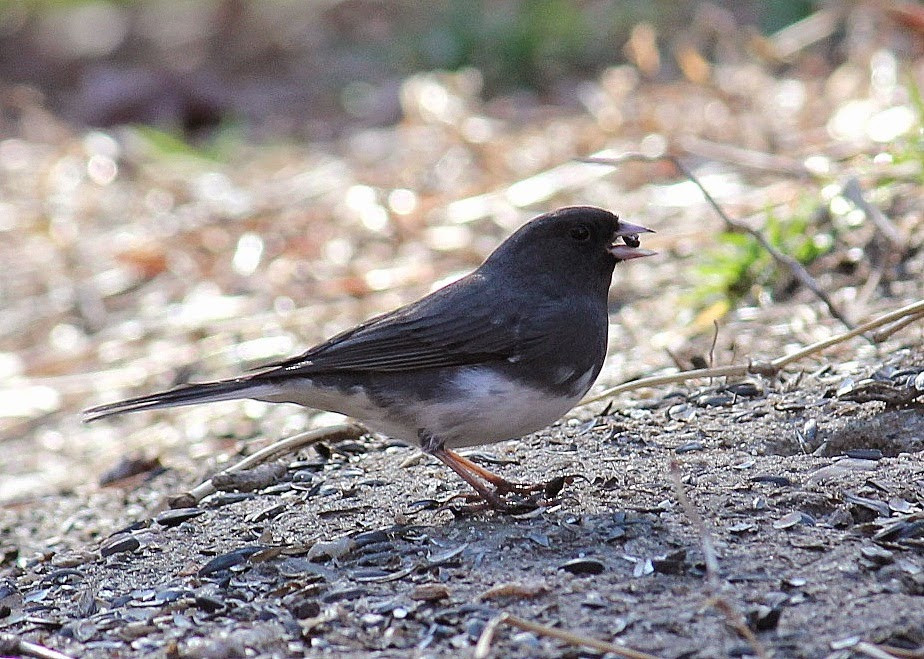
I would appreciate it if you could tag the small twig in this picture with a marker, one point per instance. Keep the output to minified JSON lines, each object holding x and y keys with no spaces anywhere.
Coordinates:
{"x":715,"y":340}
{"x":785,"y":260}
{"x":735,"y":620}
{"x":893,"y":652}
{"x":854,"y":192}
{"x":278,"y":449}
{"x":915,"y":308}
{"x":744,"y":158}
{"x":733,"y":616}
{"x":883,"y":652}
{"x":483,"y":648}
{"x":734,"y":370}
{"x":709,"y":554}
{"x":674,"y":358}
{"x":907,"y":313}
{"x":14,"y":646}
{"x":803,"y":33}
{"x":886,"y":332}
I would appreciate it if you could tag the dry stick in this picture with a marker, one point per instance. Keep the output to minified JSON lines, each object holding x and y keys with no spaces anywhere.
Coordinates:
{"x":282,"y":447}
{"x":15,"y":646}
{"x":732,"y":615}
{"x":854,"y":192}
{"x":892,"y":652}
{"x":803,"y":33}
{"x":913,"y":311}
{"x":785,"y":260}
{"x":709,"y":554}
{"x":715,"y":340}
{"x":483,"y":647}
{"x":744,"y":158}
{"x":886,"y":332}
{"x":878,"y":651}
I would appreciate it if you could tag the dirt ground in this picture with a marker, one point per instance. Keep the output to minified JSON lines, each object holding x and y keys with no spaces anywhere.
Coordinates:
{"x":131,"y":264}
{"x":349,"y":552}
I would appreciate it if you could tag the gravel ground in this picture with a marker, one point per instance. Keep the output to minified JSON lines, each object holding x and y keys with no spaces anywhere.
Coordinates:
{"x":351,"y":552}
{"x":131,"y":265}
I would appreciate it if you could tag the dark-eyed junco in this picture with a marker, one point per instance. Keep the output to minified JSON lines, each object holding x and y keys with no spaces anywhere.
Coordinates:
{"x":500,"y":353}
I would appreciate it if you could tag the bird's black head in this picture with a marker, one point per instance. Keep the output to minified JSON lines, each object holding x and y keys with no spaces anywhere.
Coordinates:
{"x":575,"y":247}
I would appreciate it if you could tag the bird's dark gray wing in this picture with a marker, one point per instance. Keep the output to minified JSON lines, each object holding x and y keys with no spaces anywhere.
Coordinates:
{"x":455,"y":326}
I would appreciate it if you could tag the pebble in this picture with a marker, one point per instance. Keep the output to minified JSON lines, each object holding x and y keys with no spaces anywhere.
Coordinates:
{"x":305,"y":608}
{"x":779,"y":481}
{"x":899,"y":505}
{"x":689,"y":447}
{"x":176,"y":516}
{"x":208,"y":604}
{"x":527,"y":639}
{"x":865,"y":454}
{"x":681,"y":412}
{"x":763,"y":618}
{"x":877,"y":554}
{"x":583,"y":566}
{"x":919,"y":381}
{"x":171,"y":594}
{"x":672,"y":563}
{"x":369,"y":574}
{"x":228,"y":560}
{"x":745,"y":389}
{"x":793,"y":519}
{"x":430,"y":592}
{"x":444,"y":557}
{"x":343,"y":594}
{"x":72,"y":559}
{"x":370,"y":537}
{"x":228,"y":498}
{"x":336,"y":548}
{"x":265,"y":514}
{"x":718,"y":400}
{"x":303,"y":476}
{"x":474,"y":628}
{"x":119,"y":544}
{"x":901,"y":530}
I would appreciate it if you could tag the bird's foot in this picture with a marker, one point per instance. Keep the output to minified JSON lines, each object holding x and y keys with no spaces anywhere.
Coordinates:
{"x":476,"y":503}
{"x":503,"y":487}
{"x":525,"y":499}
{"x":498,"y":493}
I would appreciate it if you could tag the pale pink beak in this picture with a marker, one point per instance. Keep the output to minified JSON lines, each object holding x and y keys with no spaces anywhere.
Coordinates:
{"x":630,"y":249}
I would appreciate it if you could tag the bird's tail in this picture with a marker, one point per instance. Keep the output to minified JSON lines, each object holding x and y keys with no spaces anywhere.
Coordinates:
{"x":207,"y":392}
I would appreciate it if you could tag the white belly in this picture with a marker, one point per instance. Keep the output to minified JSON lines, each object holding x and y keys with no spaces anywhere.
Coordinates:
{"x":484,"y":407}
{"x":492,"y":408}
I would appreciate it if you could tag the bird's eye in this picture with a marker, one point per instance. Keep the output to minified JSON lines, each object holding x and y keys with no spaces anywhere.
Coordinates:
{"x":580,"y":232}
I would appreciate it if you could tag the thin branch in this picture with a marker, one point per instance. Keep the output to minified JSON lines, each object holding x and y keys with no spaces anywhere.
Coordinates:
{"x":745,"y":158}
{"x":853,"y":191}
{"x":893,"y":652}
{"x":733,"y":616}
{"x":13,"y":645}
{"x":884,"y":333}
{"x":483,"y":648}
{"x":913,"y":311}
{"x":708,"y":546}
{"x":732,"y":225}
{"x":715,"y":340}
{"x":880,"y":651}
{"x":286,"y":446}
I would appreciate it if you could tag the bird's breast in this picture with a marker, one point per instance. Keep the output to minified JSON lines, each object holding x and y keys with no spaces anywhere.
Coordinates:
{"x":487,"y":405}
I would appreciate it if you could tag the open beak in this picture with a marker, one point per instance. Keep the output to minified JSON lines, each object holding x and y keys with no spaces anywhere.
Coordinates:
{"x":629,"y":248}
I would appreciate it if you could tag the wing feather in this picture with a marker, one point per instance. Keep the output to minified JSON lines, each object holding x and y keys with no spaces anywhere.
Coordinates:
{"x":453,"y":329}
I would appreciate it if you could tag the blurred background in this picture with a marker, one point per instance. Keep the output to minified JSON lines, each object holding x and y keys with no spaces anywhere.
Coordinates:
{"x":190,"y":188}
{"x":315,"y":69}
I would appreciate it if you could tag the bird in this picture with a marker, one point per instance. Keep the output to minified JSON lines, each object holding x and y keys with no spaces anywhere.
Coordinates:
{"x":500,"y":353}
